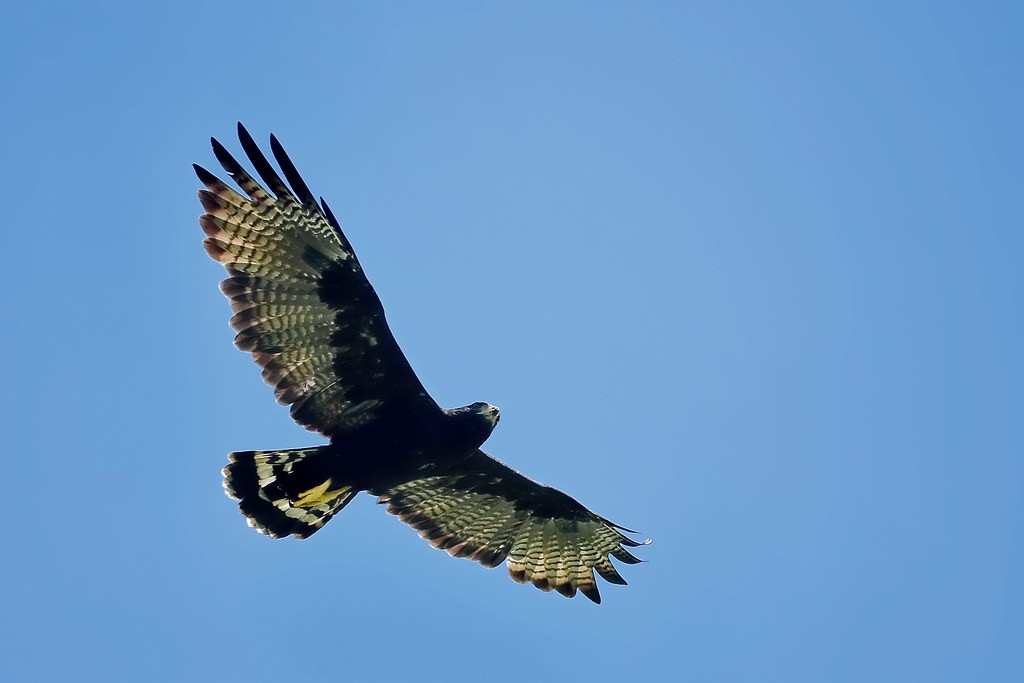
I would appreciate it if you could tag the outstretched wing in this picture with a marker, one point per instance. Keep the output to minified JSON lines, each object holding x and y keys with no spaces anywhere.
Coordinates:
{"x":488,"y":512}
{"x":302,"y":305}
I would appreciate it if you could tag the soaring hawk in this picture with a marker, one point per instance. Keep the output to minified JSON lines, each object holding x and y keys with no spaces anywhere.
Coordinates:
{"x":311,"y":320}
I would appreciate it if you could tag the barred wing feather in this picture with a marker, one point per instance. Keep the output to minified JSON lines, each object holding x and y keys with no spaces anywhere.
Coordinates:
{"x":487,"y":512}
{"x":302,"y":306}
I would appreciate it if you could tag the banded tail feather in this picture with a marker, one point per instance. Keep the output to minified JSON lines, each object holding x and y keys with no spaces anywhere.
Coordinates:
{"x":285,"y":493}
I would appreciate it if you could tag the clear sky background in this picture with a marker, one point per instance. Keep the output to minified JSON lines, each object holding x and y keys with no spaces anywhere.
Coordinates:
{"x":747,"y":279}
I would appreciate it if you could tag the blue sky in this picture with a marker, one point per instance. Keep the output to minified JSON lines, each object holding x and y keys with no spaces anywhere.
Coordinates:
{"x":744,"y":278}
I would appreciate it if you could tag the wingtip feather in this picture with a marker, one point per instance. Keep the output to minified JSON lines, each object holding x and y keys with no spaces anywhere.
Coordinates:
{"x":214,"y":250}
{"x":591,"y":592}
{"x":205,"y":177}
{"x":227,"y":161}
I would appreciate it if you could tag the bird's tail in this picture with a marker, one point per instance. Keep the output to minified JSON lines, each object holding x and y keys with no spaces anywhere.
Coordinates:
{"x":284,"y":493}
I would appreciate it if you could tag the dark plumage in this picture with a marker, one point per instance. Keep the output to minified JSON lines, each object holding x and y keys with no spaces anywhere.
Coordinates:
{"x":311,"y":320}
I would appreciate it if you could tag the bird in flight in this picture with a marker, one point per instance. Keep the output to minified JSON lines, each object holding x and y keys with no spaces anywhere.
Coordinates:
{"x":311,"y":320}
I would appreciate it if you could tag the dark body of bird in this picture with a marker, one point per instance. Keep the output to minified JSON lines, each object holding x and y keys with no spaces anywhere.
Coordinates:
{"x":311,"y":320}
{"x":371,"y":458}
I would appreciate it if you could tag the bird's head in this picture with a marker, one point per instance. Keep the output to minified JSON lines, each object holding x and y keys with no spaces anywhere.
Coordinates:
{"x":489,"y":412}
{"x":472,"y":424}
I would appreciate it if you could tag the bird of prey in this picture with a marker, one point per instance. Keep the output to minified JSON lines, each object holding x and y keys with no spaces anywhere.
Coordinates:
{"x":311,"y":320}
